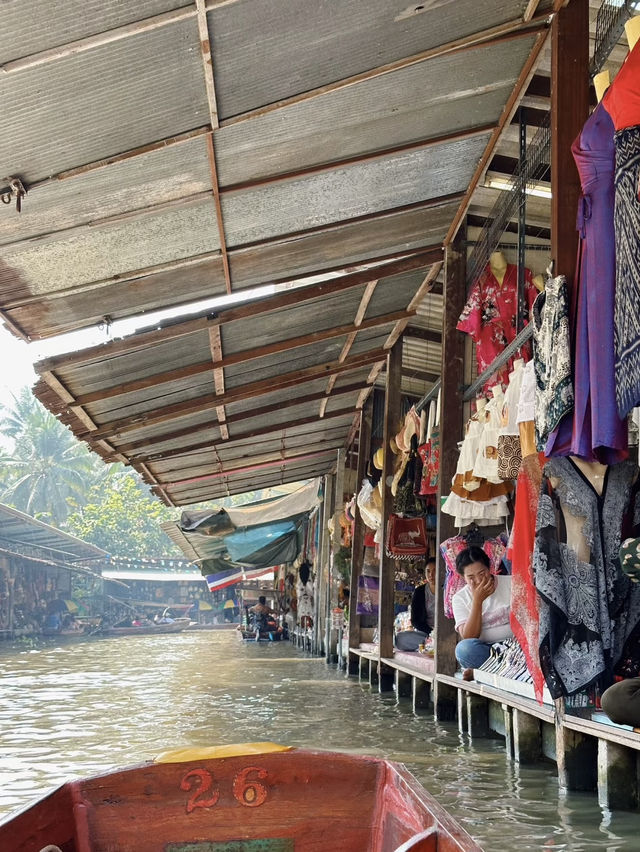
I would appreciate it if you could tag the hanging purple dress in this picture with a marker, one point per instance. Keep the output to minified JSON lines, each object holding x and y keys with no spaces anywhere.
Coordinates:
{"x":597,"y":432}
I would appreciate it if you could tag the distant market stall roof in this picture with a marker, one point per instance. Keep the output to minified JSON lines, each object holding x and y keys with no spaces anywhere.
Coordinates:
{"x":19,"y":530}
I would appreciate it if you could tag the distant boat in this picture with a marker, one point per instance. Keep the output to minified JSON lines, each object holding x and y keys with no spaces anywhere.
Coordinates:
{"x":175,"y":626}
{"x":253,"y":798}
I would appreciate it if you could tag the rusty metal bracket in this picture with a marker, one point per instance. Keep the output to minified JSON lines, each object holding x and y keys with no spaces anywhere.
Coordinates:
{"x":16,"y":191}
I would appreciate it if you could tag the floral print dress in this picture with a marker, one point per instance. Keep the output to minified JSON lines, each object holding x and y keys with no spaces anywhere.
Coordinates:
{"x":489,"y":316}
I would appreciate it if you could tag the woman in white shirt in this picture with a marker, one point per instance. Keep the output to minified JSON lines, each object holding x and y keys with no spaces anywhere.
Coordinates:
{"x":481,"y":609}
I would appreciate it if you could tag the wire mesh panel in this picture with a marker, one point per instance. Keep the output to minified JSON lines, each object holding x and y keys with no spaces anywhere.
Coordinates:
{"x":612,"y":16}
{"x":530,"y":170}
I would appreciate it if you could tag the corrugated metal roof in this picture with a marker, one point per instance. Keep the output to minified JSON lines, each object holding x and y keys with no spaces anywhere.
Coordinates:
{"x":256,"y":47}
{"x":21,"y":529}
{"x":308,"y":171}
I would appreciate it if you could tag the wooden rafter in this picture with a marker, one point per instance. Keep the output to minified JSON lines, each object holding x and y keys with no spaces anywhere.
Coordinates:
{"x":429,"y":142}
{"x":267,"y":304}
{"x":259,"y":411}
{"x":414,"y":304}
{"x":241,"y":436}
{"x":507,"y":114}
{"x":357,"y":323}
{"x":220,"y":362}
{"x":249,"y":468}
{"x":249,"y":391}
{"x":215,"y":342}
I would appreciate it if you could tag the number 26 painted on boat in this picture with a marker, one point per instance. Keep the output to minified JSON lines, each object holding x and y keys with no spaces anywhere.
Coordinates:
{"x":247,"y":791}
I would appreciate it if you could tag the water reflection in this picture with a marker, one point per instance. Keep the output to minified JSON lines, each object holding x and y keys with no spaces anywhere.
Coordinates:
{"x":76,"y":709}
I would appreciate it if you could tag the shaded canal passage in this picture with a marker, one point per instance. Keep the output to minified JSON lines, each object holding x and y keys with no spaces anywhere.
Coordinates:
{"x":76,"y":709}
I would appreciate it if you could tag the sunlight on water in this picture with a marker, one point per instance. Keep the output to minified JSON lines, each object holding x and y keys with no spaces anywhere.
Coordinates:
{"x":81,"y":708}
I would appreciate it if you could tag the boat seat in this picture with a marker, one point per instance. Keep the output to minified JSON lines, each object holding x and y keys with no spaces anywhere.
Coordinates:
{"x":425,"y":841}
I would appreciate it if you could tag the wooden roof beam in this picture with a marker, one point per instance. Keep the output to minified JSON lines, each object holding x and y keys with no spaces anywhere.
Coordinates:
{"x":507,"y":114}
{"x":220,"y":362}
{"x":296,"y":458}
{"x":242,"y":436}
{"x":190,"y":431}
{"x":428,"y":334}
{"x":360,"y":313}
{"x":248,"y":391}
{"x":142,"y":339}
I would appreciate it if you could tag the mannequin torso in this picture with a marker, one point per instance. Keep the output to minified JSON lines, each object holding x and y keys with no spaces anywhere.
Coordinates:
{"x":498,"y":265}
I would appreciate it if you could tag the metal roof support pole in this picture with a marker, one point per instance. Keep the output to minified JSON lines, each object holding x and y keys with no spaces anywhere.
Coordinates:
{"x":569,"y":111}
{"x":522,"y":219}
{"x":392,"y":404}
{"x":451,"y":430}
{"x":357,"y":544}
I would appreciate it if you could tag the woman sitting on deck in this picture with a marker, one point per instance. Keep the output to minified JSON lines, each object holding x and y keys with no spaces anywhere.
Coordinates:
{"x":481,"y":609}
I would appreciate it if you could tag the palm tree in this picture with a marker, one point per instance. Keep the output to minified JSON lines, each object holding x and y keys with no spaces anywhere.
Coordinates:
{"x":48,"y":469}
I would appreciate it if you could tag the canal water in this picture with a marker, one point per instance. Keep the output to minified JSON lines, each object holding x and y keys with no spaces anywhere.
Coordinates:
{"x":74,"y":709}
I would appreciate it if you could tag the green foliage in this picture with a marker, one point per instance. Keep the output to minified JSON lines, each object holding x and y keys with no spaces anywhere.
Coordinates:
{"x":48,"y":466}
{"x":124,"y":519}
{"x":55,"y":478}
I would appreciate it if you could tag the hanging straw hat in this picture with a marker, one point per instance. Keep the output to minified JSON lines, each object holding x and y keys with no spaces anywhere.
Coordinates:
{"x":378,"y":459}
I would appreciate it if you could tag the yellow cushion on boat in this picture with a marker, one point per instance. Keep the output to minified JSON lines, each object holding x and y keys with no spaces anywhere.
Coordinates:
{"x":182,"y":755}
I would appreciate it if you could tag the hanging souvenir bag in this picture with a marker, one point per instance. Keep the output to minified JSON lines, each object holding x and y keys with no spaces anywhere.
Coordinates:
{"x":406,"y":538}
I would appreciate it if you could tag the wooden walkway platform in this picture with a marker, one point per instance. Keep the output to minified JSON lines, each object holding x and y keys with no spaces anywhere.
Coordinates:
{"x":591,"y":752}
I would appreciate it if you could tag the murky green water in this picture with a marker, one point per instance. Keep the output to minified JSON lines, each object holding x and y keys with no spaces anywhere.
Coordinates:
{"x":80,"y":708}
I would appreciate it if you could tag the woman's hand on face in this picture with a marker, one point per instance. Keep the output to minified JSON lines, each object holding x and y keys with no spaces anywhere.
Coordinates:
{"x":485,"y":588}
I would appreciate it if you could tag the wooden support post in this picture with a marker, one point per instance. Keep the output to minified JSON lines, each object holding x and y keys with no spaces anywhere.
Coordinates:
{"x":332,"y":600}
{"x":463,"y":719}
{"x":477,"y":715}
{"x":421,"y":697}
{"x":357,"y":546}
{"x":617,"y":776}
{"x":508,"y":730}
{"x":320,"y":591}
{"x":451,"y":427}
{"x":353,"y":664}
{"x":577,"y":759}
{"x":386,"y":677}
{"x":363,"y":668}
{"x":373,"y":673}
{"x":569,"y":111}
{"x":404,"y":688}
{"x":387,"y":565}
{"x":527,"y":737}
{"x":445,"y":701}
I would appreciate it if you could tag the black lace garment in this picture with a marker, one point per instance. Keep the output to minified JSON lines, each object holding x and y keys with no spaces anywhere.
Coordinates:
{"x":587,"y":609}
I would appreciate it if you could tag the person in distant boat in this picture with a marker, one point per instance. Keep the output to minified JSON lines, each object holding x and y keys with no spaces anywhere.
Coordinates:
{"x":165,"y":618}
{"x":261,"y":607}
{"x":481,"y":609}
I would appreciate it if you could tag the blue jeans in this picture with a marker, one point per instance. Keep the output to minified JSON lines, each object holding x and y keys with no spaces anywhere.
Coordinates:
{"x":471,"y":653}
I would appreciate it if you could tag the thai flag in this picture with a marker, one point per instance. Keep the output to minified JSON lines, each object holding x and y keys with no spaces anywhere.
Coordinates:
{"x":234,"y":575}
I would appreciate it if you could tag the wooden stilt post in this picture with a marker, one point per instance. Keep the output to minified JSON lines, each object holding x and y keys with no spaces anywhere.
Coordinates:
{"x":332,"y":600}
{"x":451,"y":426}
{"x":527,"y":737}
{"x":363,"y":668}
{"x":617,"y":776}
{"x":421,"y":695}
{"x":322,"y":569}
{"x":477,"y":715}
{"x":357,"y":545}
{"x":576,"y":755}
{"x":387,"y":565}
{"x":403,"y":684}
